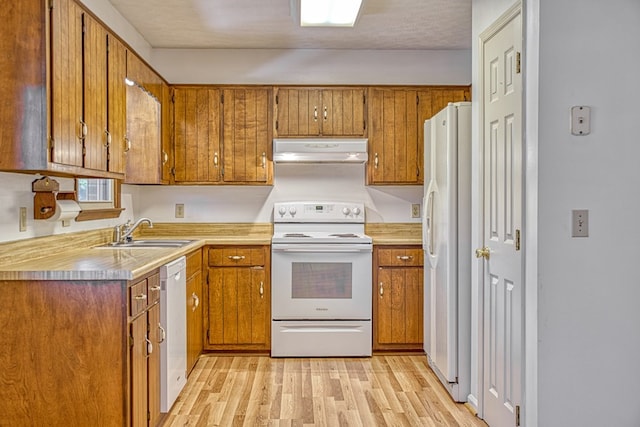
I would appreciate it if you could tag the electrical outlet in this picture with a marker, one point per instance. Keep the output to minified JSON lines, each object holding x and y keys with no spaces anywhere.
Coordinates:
{"x":179,"y":210}
{"x":580,"y":223}
{"x":415,"y":210}
{"x":23,"y":218}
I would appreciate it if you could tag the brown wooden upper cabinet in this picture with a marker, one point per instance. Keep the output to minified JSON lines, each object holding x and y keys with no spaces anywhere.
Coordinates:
{"x":198,"y":159}
{"x":396,"y":134}
{"x":61,"y":116}
{"x":318,"y":111}
{"x":148,"y":155}
{"x":246,"y":135}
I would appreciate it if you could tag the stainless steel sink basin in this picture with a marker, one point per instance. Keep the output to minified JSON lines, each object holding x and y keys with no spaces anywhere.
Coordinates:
{"x":148,"y":244}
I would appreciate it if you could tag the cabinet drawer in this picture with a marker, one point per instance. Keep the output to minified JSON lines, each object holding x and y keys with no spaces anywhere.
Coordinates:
{"x":138,"y":297}
{"x":233,"y":256}
{"x":153,"y":289}
{"x":194,"y":263}
{"x":400,"y":257}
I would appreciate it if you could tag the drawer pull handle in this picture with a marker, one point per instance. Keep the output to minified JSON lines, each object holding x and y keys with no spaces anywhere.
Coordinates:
{"x":154,"y":288}
{"x":215,"y":159}
{"x":163,"y":333}
{"x":236,"y":257}
{"x":127,"y":142}
{"x":196,"y":301}
{"x":140,"y":297}
{"x":376,"y":161}
{"x":381,"y":285}
{"x":404,"y":257}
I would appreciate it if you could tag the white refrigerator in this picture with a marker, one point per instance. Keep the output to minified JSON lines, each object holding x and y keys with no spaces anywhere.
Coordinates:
{"x":447,"y":247}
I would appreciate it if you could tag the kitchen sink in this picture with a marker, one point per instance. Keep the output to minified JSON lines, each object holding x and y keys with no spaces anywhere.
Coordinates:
{"x":148,"y":244}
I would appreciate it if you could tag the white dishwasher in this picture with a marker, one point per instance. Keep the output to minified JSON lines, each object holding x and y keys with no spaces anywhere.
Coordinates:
{"x":173,"y":315}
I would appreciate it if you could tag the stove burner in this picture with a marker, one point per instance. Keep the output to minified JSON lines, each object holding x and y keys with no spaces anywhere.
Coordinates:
{"x":296,"y":235}
{"x":343,"y":235}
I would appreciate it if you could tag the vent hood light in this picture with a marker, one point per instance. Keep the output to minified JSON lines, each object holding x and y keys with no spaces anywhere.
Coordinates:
{"x":329,"y":13}
{"x":320,"y":150}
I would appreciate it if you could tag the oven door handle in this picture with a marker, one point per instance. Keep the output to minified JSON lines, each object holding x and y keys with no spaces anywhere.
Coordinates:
{"x":316,"y":249}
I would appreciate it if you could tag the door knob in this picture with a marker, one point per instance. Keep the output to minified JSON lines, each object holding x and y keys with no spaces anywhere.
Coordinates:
{"x":483,"y":253}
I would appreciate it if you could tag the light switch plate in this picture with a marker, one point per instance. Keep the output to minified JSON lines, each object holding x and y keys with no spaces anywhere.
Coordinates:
{"x":179,"y":210}
{"x":580,"y":120}
{"x":580,"y":223}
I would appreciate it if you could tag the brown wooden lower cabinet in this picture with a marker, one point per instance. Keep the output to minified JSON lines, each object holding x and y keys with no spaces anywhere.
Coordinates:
{"x":76,"y":352}
{"x":398,"y":298}
{"x":194,"y":308}
{"x":238,"y":308}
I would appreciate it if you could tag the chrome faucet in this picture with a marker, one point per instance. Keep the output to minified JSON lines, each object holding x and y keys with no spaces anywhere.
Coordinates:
{"x":122,"y":232}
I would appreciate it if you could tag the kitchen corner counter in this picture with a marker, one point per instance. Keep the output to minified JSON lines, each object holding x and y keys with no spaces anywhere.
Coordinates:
{"x":409,"y":233}
{"x":73,"y":256}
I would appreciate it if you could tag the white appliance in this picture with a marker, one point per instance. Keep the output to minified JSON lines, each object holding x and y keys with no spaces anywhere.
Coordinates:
{"x":320,"y":280}
{"x":447,"y":247}
{"x":173,"y":315}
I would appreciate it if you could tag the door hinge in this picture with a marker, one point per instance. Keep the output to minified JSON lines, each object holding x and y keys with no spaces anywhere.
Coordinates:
{"x":517,"y":240}
{"x":517,"y":415}
{"x":173,"y":171}
{"x":52,"y":143}
{"x":207,"y":335}
{"x":417,"y":99}
{"x":222,"y":171}
{"x":207,"y":278}
{"x":276,"y":99}
{"x":418,"y":172}
{"x":222,"y":98}
{"x":517,"y":62}
{"x":130,"y":341}
{"x":364,"y":125}
{"x":148,"y":415}
{"x":364,"y":98}
{"x":173,"y":98}
{"x":276,"y":125}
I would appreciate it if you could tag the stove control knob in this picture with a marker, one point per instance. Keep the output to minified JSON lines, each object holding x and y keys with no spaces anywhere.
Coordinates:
{"x":282,"y":211}
{"x":346,"y":211}
{"x":292,"y":210}
{"x":356,"y":211}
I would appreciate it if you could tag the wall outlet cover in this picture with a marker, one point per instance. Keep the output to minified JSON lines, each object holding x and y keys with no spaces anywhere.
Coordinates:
{"x":415,"y":210}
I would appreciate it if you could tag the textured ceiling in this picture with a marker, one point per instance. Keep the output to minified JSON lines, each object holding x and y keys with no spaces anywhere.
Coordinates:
{"x":268,"y":24}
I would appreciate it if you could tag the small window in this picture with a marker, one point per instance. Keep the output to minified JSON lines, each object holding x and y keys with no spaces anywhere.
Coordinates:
{"x":99,"y":198}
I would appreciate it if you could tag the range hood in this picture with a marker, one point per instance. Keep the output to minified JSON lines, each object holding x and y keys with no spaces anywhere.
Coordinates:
{"x":320,"y":150}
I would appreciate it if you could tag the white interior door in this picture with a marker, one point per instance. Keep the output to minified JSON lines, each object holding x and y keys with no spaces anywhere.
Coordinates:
{"x":502,"y":211}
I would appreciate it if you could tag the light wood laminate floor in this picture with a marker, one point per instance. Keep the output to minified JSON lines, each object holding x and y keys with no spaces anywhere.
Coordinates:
{"x":261,"y":391}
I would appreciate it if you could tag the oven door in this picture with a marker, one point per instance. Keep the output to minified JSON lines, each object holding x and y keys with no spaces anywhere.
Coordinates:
{"x":321,"y":281}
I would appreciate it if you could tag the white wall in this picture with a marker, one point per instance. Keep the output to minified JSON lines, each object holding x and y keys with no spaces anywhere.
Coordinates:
{"x":313,"y":66}
{"x":588,"y":316}
{"x":292,"y":182}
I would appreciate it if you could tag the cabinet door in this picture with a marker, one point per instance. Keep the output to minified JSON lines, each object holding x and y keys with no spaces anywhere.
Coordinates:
{"x":139,"y":377}
{"x":238,"y":308}
{"x":343,"y":112}
{"x":247,"y":135}
{"x":393,"y":137}
{"x":144,"y":124}
{"x":298,"y":112}
{"x":117,"y":104}
{"x":95,"y":94}
{"x":399,"y":308}
{"x":154,"y":332}
{"x":167,"y":160}
{"x":197,"y":135}
{"x":440,"y":97}
{"x":66,"y":83}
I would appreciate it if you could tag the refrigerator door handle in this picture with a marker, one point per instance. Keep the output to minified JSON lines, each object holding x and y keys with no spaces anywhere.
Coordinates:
{"x":430,"y":226}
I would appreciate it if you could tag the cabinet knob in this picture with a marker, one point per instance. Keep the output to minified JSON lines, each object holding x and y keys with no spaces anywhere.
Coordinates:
{"x":261,"y":289}
{"x":165,"y":157}
{"x":215,"y":159}
{"x":83,"y":130}
{"x":325,"y":113}
{"x":315,"y":113}
{"x":149,"y":346}
{"x":107,"y":142}
{"x":127,"y":143}
{"x":381,"y":286}
{"x":375,"y":161}
{"x":264,"y":160}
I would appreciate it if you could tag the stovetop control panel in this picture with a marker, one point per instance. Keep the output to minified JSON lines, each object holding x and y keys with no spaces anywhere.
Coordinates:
{"x":318,"y":212}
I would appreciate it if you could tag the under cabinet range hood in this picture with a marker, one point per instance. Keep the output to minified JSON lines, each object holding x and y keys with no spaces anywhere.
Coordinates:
{"x":320,"y":150}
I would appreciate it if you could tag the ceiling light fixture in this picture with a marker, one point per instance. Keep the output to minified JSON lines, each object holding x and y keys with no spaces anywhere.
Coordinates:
{"x":329,"y":13}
